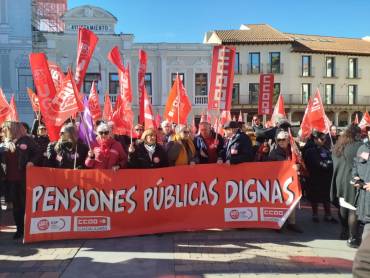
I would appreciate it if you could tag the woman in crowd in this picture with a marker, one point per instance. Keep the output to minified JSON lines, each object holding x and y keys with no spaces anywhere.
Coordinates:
{"x":69,"y":152}
{"x":42,"y":139}
{"x":262,"y":153}
{"x":343,"y":155}
{"x":20,"y":151}
{"x":147,"y":153}
{"x":181,"y":150}
{"x":108,"y":154}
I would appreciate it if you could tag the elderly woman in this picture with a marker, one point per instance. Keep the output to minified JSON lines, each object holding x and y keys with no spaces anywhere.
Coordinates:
{"x":69,"y":152}
{"x":20,"y":152}
{"x":147,"y":154}
{"x":108,"y":153}
{"x":181,"y":151}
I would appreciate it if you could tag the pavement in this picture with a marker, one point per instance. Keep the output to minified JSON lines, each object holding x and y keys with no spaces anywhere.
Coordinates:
{"x":212,"y":253}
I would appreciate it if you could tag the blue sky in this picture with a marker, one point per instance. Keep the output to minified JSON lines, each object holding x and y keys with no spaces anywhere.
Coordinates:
{"x":188,"y":20}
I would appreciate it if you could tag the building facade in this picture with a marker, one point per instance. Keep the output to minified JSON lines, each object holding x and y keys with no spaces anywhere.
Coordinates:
{"x":338,"y":67}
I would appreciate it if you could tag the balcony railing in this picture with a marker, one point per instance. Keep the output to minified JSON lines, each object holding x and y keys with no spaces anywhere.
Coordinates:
{"x":334,"y":74}
{"x":253,"y":69}
{"x":311,"y":72}
{"x":200,"y":100}
{"x":275,"y":69}
{"x":356,"y":75}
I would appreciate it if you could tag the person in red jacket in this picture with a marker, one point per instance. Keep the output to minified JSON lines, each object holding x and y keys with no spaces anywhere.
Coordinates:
{"x":108,"y":153}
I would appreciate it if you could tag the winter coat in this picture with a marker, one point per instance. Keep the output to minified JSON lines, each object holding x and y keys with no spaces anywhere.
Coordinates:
{"x":201,"y":147}
{"x":279,"y":154}
{"x":181,"y":152}
{"x":238,"y":149}
{"x":43,"y":142}
{"x":361,"y":169}
{"x":342,"y":174}
{"x":140,"y":158}
{"x":320,"y":168}
{"x":106,"y":155}
{"x":62,"y":155}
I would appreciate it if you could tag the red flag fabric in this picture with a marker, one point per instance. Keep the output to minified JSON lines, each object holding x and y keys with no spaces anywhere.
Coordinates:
{"x":149,"y":121}
{"x":94,"y":104}
{"x":86,"y":43}
{"x":4,"y":107}
{"x":45,"y":91}
{"x":306,"y":128}
{"x":141,"y":85}
{"x":13,"y":115}
{"x":265,"y":94}
{"x":279,"y":111}
{"x":114,"y":56}
{"x":317,"y":114}
{"x":158,"y":120}
{"x":240,"y":118}
{"x":356,"y":121}
{"x":34,"y":100}
{"x":178,"y":104}
{"x":108,"y":110}
{"x":365,"y":121}
{"x":56,"y":74}
{"x":222,"y":78}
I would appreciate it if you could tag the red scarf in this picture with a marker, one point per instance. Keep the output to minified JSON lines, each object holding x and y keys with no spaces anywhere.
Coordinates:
{"x":105,"y":145}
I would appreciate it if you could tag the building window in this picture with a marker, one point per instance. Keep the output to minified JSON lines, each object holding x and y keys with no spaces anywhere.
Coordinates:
{"x":113,"y":84}
{"x":3,"y":12}
{"x":329,"y":94}
{"x":201,"y":84}
{"x":352,"y":68}
{"x":89,"y":78}
{"x":236,"y":93}
{"x":148,"y":83}
{"x":276,"y":92}
{"x":330,"y":66}
{"x":237,"y":64}
{"x":306,"y":92}
{"x":275,"y":62}
{"x":253,"y":93}
{"x":254,"y":66}
{"x":182,"y":78}
{"x":25,"y":79}
{"x":306,"y":65}
{"x":352,"y":94}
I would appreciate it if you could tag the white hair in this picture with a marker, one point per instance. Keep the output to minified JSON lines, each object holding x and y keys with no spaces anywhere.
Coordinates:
{"x":164,"y":123}
{"x":103,"y":127}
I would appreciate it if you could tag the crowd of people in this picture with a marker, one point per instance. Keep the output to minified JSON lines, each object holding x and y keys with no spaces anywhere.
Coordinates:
{"x":334,"y":168}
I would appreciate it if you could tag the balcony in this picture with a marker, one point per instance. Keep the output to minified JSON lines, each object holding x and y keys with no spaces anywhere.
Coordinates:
{"x":310,"y":73}
{"x":238,"y":69}
{"x":275,"y":69}
{"x":254,"y":69}
{"x":201,"y":100}
{"x":354,"y":75}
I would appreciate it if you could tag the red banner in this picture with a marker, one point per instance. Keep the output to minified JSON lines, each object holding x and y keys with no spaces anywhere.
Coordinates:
{"x":86,"y":43}
{"x":76,"y":204}
{"x":141,"y":84}
{"x":94,"y":104}
{"x":4,"y":107}
{"x":222,"y":78}
{"x":108,"y":110}
{"x":57,"y":75}
{"x":34,"y":100}
{"x":316,"y":114}
{"x":178,"y":104}
{"x":13,"y":115}
{"x":266,"y":94}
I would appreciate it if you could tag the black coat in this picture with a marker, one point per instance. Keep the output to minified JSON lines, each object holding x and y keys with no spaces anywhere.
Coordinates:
{"x":278,"y":154}
{"x":43,"y":142}
{"x":200,"y":146}
{"x":140,"y":159}
{"x":65,"y":156}
{"x":238,"y":149}
{"x":342,"y":174}
{"x":320,"y":168}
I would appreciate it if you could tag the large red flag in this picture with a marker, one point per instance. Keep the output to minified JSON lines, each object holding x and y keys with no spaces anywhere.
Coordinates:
{"x":114,"y":56}
{"x":365,"y":121}
{"x":266,"y":91}
{"x":13,"y":115}
{"x":317,"y":115}
{"x":34,"y":100}
{"x":45,"y":91}
{"x":306,"y":128}
{"x":178,"y":104}
{"x":86,"y":43}
{"x":141,"y":84}
{"x":4,"y":107}
{"x":108,"y":110}
{"x":94,"y":104}
{"x":279,"y":111}
{"x":149,"y":121}
{"x":57,"y":75}
{"x":158,"y":120}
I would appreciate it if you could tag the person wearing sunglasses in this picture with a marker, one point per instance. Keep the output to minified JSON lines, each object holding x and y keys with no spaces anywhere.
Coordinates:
{"x":42,"y":140}
{"x":181,"y":151}
{"x":108,"y":153}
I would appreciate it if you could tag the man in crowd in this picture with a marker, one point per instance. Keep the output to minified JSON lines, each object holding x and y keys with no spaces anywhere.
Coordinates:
{"x":168,"y":132}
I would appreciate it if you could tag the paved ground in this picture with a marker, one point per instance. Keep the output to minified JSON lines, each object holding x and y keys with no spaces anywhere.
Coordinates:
{"x":214,"y":253}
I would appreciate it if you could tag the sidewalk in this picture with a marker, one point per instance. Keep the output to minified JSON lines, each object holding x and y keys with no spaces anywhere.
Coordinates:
{"x":212,"y":253}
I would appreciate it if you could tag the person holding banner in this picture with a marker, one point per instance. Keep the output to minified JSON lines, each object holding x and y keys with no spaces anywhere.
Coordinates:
{"x":238,"y":147}
{"x":69,"y":152}
{"x":108,"y":154}
{"x":147,"y":154}
{"x":181,"y":151}
{"x":20,"y":152}
{"x":208,"y":144}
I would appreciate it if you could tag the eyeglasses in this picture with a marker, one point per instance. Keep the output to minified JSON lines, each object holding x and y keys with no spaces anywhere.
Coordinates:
{"x":42,"y":128}
{"x":103,"y":132}
{"x":139,"y":129}
{"x":281,"y":140}
{"x":186,"y":132}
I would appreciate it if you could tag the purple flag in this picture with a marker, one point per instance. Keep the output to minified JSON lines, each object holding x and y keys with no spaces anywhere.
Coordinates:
{"x":86,"y":129}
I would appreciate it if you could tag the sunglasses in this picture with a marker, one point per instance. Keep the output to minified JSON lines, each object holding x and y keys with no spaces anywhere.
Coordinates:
{"x":139,"y":129}
{"x":103,"y":132}
{"x":281,"y":140}
{"x":186,"y":132}
{"x":42,"y":128}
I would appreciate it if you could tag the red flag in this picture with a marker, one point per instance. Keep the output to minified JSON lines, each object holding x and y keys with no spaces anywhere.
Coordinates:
{"x":356,"y":121}
{"x":56,"y":74}
{"x":94,"y":104}
{"x":13,"y":115}
{"x":5,"y":109}
{"x":317,"y":114}
{"x":45,"y":92}
{"x":149,"y":121}
{"x":279,"y":111}
{"x":222,"y":78}
{"x":141,"y":85}
{"x":158,"y":120}
{"x":34,"y":100}
{"x":86,"y":43}
{"x":178,"y":104}
{"x":265,"y":94}
{"x":108,"y":110}
{"x":114,"y":56}
{"x":240,"y":118}
{"x":306,"y":128}
{"x":225,"y":117}
{"x":365,"y":121}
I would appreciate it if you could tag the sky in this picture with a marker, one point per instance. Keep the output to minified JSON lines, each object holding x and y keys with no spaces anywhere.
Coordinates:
{"x":188,"y":20}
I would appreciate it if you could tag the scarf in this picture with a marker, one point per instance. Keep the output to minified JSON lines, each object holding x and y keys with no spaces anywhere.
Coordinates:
{"x":105,"y":145}
{"x":150,"y":149}
{"x":10,"y":145}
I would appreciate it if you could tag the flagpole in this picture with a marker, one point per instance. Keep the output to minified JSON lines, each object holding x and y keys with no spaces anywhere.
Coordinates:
{"x":75,"y":162}
{"x":178,"y":99}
